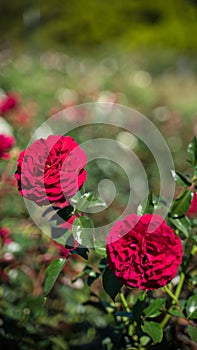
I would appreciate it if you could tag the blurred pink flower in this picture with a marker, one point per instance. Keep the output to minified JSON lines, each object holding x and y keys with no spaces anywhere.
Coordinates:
{"x":5,"y":235}
{"x":6,"y":143}
{"x":7,"y":103}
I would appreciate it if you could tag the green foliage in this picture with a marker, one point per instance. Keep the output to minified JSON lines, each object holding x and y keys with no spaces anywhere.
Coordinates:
{"x":87,"y":202}
{"x":154,"y":330}
{"x":191,"y":307}
{"x":192,"y":152}
{"x":180,"y":179}
{"x":110,"y":283}
{"x":52,"y":273}
{"x":85,"y":23}
{"x":77,"y":311}
{"x":83,"y":231}
{"x":192,"y":331}
{"x":154,"y":309}
{"x":181,"y":204}
{"x":183,"y":225}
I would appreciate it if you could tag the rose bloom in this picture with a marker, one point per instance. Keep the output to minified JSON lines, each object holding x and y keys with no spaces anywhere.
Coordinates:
{"x":192,"y":211}
{"x":6,"y":143}
{"x":143,"y":251}
{"x":51,"y":170}
{"x":5,"y":236}
{"x":7,"y":103}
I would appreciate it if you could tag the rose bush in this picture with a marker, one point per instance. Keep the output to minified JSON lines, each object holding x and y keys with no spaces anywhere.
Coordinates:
{"x":6,"y":143}
{"x":51,"y":170}
{"x":141,"y":256}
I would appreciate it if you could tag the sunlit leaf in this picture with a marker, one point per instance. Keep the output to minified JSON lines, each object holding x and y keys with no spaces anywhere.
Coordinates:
{"x":181,"y":204}
{"x":52,"y":273}
{"x":154,"y":330}
{"x":147,"y":206}
{"x":83,"y":231}
{"x":183,"y":225}
{"x":192,"y":152}
{"x":180,"y":178}
{"x":175,"y":312}
{"x":154,"y":309}
{"x":191,"y":307}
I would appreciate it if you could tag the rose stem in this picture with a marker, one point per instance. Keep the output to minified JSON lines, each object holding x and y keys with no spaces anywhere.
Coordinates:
{"x":176,"y":296}
{"x":124,"y":302}
{"x":168,"y":291}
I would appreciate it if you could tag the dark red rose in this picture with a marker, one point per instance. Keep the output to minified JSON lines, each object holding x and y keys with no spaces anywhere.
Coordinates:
{"x":6,"y":143}
{"x":7,"y":103}
{"x":51,"y":170}
{"x":5,"y":235}
{"x":143,"y":251}
{"x":192,"y":212}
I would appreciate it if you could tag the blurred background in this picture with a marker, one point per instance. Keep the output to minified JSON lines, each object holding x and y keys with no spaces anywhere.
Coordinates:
{"x":56,"y":54}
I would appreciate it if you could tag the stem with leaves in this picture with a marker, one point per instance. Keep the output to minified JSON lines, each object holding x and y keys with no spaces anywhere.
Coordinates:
{"x":175,"y":298}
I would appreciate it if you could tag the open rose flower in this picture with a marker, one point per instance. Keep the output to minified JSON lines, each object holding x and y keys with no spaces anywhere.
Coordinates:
{"x":51,"y":170}
{"x":143,"y":251}
{"x":6,"y":143}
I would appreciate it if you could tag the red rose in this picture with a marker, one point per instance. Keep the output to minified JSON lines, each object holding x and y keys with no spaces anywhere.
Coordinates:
{"x":7,"y":103}
{"x":6,"y":143}
{"x":51,"y":170}
{"x":192,"y":212}
{"x":141,"y":256}
{"x":5,"y":236}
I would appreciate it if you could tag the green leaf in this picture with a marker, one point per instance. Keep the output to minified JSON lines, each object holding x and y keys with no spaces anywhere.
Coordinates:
{"x":154,"y":308}
{"x":144,"y":340}
{"x":180,"y":178}
{"x":87,"y":201}
{"x":35,"y":305}
{"x":154,"y":330}
{"x":81,"y":251}
{"x":110,"y":283}
{"x":142,"y":296}
{"x":147,"y":206}
{"x":100,"y":247}
{"x":192,"y":152}
{"x":103,"y":264}
{"x":181,"y":204}
{"x":83,"y":231}
{"x":192,"y":331}
{"x":191,"y":307}
{"x":183,"y":225}
{"x":52,"y":273}
{"x":175,"y":312}
{"x":63,"y":214}
{"x":138,"y":310}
